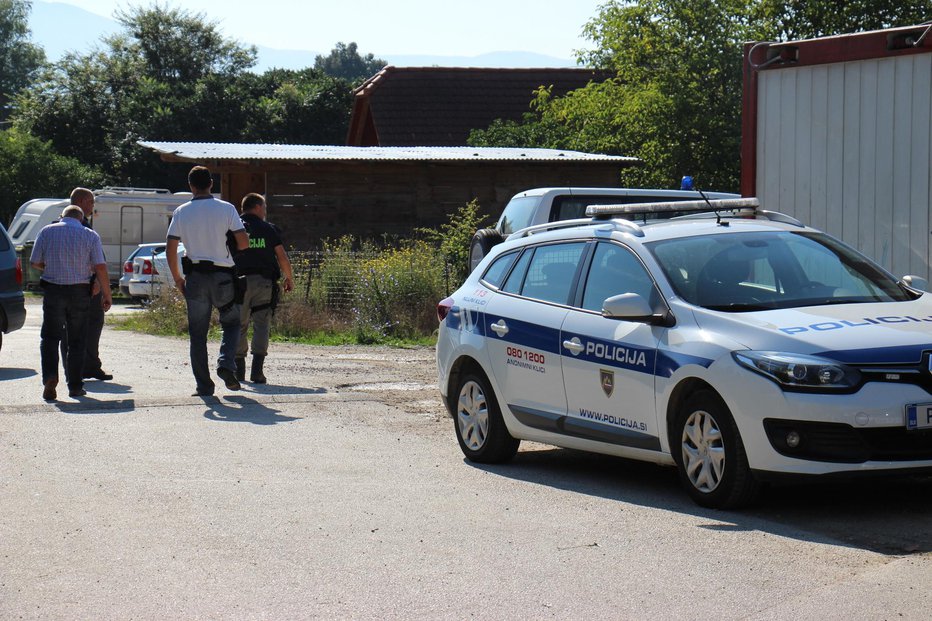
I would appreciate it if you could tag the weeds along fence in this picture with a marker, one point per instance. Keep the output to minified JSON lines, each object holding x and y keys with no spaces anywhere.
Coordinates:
{"x":377,"y":292}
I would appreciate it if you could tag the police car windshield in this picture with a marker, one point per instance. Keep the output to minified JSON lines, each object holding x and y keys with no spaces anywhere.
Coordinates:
{"x":740,"y":272}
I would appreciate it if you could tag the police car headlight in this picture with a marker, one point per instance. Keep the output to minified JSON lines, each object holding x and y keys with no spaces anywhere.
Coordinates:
{"x":798,"y":371}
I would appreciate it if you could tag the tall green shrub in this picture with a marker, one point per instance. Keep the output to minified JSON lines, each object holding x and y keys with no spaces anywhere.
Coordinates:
{"x":398,"y":292}
{"x":453,"y":237}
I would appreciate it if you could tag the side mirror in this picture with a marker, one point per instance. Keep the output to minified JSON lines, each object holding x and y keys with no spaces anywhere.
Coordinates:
{"x":633,"y":307}
{"x":916,"y":282}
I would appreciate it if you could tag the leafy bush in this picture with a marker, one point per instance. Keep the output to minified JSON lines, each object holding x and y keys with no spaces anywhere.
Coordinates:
{"x":453,"y":239}
{"x":398,"y":292}
{"x":329,"y":279}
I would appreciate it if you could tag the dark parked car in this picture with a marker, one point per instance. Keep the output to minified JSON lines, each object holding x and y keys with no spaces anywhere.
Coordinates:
{"x":12,"y":303}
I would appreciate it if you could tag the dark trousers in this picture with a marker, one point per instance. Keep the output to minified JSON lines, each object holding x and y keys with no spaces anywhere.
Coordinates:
{"x":204,"y":291}
{"x":95,"y":325}
{"x":64,"y":317}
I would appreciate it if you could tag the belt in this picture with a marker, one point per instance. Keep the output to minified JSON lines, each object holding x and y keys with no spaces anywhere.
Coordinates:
{"x":208,"y":266}
{"x":45,"y":283}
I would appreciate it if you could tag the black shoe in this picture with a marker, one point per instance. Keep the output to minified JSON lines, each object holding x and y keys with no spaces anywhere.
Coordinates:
{"x":76,"y":392}
{"x":48,"y":391}
{"x":256,"y":376}
{"x":229,"y":378}
{"x":203,"y":393}
{"x":99,"y":374}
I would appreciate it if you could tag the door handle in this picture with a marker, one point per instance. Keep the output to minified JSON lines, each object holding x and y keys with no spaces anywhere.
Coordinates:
{"x":500,"y":327}
{"x":574,"y":345}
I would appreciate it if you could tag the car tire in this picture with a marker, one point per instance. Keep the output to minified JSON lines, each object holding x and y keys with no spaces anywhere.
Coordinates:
{"x":711,"y":460}
{"x":477,"y":420}
{"x":482,"y":242}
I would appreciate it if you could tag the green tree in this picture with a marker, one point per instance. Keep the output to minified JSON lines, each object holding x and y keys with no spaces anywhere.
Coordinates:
{"x":676,"y":100}
{"x":178,"y":47}
{"x":789,"y":20}
{"x":19,"y":58}
{"x":30,"y":168}
{"x":344,"y":61}
{"x":303,"y":106}
{"x":171,"y":76}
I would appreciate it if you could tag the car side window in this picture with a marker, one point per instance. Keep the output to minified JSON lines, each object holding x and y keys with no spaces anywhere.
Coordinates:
{"x":496,"y":273}
{"x":615,"y":270}
{"x":551,"y":272}
{"x":516,"y":277}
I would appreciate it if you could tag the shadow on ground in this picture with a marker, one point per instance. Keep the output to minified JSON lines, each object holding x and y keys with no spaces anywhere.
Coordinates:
{"x":888,"y":516}
{"x":242,"y":409}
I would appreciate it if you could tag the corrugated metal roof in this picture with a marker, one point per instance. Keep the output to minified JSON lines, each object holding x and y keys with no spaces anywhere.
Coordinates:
{"x":205,"y":151}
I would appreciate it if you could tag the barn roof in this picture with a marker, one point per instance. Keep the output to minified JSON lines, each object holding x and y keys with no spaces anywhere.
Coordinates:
{"x":439,"y":106}
{"x":218,"y":151}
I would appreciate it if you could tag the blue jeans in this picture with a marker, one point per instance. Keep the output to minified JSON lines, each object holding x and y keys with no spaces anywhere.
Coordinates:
{"x":64,"y":317}
{"x":204,"y":291}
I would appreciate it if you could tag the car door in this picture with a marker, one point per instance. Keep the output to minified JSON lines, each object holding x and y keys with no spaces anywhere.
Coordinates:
{"x":523,"y":331}
{"x":609,"y":364}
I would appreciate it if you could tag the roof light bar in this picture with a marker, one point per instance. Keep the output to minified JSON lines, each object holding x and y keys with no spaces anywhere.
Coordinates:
{"x":725,"y":204}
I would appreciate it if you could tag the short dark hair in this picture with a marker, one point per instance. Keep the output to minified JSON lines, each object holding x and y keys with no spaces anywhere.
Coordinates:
{"x":199,"y":178}
{"x":251,"y":201}
{"x":78,"y":194}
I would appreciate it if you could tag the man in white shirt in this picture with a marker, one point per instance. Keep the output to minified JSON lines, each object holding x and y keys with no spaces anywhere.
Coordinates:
{"x":208,"y":281}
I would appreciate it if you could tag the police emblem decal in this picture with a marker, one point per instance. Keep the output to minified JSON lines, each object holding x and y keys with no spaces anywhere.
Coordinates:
{"x":607,"y":380}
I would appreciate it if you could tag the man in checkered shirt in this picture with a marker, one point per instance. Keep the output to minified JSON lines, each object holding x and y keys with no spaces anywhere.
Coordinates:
{"x":68,"y":255}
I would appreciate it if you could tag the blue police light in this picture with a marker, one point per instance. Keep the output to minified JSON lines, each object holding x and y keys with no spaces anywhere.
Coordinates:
{"x":687,"y":183}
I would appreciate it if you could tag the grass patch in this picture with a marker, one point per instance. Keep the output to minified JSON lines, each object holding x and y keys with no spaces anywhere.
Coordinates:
{"x":294,"y":322}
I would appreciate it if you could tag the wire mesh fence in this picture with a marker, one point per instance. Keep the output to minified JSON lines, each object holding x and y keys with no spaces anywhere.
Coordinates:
{"x":387,"y":292}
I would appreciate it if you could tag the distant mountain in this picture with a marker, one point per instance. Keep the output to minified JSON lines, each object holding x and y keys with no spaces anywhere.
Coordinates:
{"x":59,"y":28}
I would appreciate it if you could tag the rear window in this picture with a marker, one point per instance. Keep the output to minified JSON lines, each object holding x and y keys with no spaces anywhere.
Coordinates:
{"x":518,"y":214}
{"x":572,"y":207}
{"x":496,"y":273}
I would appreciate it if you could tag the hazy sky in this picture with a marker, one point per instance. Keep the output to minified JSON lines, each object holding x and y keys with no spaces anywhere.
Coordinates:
{"x":441,"y":27}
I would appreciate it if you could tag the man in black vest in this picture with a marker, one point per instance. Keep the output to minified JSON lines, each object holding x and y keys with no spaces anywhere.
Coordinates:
{"x":262,"y":264}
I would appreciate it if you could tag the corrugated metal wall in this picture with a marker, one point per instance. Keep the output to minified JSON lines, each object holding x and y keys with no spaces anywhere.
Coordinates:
{"x":845,"y":148}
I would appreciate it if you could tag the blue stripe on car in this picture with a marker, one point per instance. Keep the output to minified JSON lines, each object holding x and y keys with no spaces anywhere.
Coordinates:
{"x":466,"y":320}
{"x":535,"y":336}
{"x":526,"y":334}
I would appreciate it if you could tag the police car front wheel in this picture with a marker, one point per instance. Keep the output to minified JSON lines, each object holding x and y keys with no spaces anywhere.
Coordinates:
{"x":712,"y":462}
{"x":478,"y":422}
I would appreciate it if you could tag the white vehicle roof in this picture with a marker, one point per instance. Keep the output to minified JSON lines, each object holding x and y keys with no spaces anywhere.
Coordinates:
{"x":615,"y":192}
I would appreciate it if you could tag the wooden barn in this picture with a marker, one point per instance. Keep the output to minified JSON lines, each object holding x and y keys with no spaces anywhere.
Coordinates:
{"x":316,"y":192}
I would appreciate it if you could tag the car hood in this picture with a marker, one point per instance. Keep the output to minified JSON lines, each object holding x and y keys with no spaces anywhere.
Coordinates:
{"x":871,"y":333}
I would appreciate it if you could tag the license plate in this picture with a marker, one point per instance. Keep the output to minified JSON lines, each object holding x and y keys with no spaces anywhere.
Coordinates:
{"x":919,"y":416}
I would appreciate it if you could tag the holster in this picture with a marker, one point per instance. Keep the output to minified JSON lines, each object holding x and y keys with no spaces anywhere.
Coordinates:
{"x":239,"y":289}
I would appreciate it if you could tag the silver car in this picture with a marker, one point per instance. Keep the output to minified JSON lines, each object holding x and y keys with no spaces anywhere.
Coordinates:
{"x":142,"y":250}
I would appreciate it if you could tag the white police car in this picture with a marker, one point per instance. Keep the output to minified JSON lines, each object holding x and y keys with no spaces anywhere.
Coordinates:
{"x":738,"y":346}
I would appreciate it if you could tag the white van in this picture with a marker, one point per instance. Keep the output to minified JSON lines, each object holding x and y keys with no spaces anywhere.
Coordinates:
{"x":542,"y":205}
{"x":123,"y":217}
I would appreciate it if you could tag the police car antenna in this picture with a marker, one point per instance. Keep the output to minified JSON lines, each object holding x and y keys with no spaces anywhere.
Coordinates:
{"x":687,"y":184}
